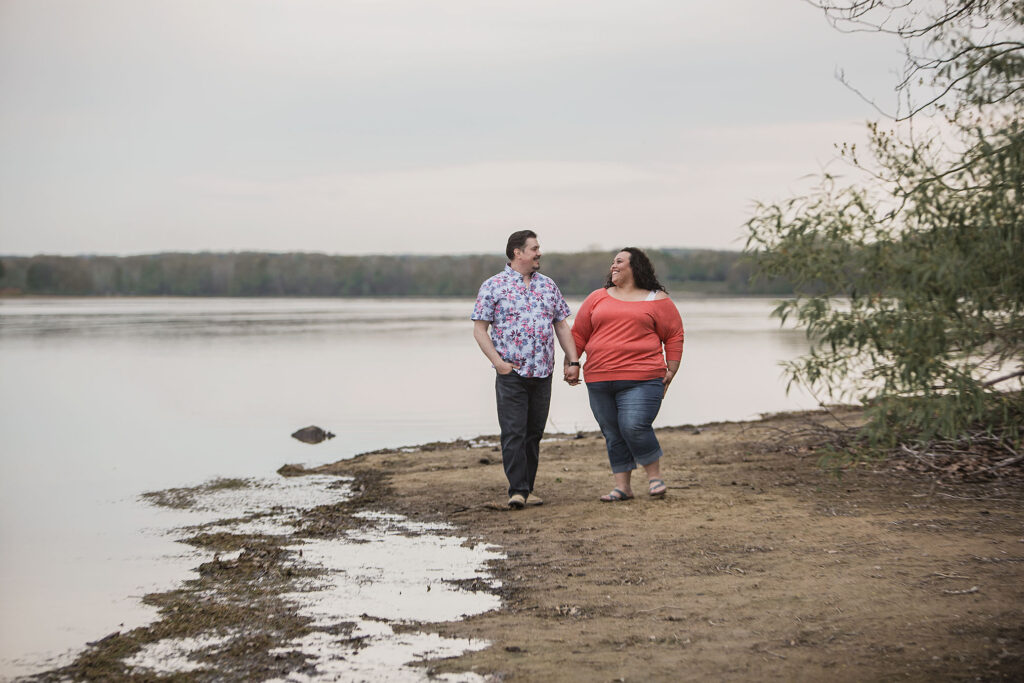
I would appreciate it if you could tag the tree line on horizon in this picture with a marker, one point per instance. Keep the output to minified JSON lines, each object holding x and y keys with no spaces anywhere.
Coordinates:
{"x":250,"y":274}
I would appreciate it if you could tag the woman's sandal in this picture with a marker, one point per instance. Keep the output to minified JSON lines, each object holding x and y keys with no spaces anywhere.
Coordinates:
{"x":615,"y":496}
{"x":656,"y":488}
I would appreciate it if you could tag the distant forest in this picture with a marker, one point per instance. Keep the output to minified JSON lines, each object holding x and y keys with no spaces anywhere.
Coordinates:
{"x":245,"y":274}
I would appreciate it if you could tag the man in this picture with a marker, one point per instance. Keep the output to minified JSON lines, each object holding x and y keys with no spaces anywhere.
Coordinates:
{"x":526,"y":312}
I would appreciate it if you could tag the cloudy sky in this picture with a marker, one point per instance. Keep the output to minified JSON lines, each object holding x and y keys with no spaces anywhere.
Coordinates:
{"x":399,"y":126}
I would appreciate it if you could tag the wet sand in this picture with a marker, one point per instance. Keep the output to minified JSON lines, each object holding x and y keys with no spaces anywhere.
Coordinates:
{"x":757,"y":564}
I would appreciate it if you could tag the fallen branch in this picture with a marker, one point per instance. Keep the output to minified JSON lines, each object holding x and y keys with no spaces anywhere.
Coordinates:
{"x":997,"y":380}
{"x":1003,"y":463}
{"x":985,"y":498}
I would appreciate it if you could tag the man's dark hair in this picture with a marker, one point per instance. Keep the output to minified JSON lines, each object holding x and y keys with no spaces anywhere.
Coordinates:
{"x":517,"y":240}
{"x":643,"y":271}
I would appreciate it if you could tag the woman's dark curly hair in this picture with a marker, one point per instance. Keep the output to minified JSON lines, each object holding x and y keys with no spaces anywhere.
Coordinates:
{"x":643,"y":271}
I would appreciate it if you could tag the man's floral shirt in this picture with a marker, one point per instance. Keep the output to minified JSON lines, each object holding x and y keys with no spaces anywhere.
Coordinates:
{"x":521,"y":319}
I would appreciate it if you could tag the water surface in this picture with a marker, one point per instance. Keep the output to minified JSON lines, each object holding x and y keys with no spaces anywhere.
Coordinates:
{"x":103,"y":399}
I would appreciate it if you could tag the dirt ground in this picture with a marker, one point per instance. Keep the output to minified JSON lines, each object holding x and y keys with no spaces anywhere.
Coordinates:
{"x":756,"y":565}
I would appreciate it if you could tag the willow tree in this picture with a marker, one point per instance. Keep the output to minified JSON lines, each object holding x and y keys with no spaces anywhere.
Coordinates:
{"x":910,"y":267}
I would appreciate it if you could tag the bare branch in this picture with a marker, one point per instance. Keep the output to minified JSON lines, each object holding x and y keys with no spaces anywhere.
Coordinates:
{"x":990,"y":383}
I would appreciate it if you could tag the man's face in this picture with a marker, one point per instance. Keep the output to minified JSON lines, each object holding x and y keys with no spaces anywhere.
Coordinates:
{"x":529,"y":255}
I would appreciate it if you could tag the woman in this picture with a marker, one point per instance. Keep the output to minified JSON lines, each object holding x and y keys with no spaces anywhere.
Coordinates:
{"x":632,"y":335}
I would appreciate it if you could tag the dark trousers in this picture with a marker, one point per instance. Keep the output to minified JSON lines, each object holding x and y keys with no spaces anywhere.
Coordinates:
{"x":522,"y":414}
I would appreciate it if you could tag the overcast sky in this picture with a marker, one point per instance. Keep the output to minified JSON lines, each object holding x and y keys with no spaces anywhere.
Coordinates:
{"x":399,"y":126}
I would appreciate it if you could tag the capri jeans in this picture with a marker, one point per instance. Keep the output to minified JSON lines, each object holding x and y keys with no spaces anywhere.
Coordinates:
{"x":625,"y":410}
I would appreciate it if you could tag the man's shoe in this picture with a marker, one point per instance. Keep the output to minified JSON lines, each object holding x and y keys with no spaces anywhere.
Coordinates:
{"x":516,"y":502}
{"x":534,"y":499}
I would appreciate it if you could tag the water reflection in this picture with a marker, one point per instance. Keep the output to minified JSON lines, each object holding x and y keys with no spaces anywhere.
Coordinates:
{"x":216,"y":317}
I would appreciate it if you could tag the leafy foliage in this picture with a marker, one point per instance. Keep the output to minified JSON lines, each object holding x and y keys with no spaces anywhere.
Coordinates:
{"x":910,"y":280}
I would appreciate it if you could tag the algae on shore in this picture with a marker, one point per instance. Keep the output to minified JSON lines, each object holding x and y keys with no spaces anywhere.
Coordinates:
{"x":272,"y":603}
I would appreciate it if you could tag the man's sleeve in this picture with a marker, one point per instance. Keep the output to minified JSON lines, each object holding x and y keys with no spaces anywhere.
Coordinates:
{"x":562,"y":310}
{"x":484,"y":307}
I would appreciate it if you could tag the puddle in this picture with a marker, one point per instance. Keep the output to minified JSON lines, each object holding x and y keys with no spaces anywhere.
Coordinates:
{"x":388,"y":574}
{"x":383,"y":657}
{"x":396,"y":570}
{"x":354,"y":586}
{"x":174,"y":655}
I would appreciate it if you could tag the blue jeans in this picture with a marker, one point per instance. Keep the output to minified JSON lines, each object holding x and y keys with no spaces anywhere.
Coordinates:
{"x":625,"y":410}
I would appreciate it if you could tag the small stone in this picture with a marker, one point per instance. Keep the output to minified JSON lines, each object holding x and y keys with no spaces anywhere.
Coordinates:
{"x":312,"y":434}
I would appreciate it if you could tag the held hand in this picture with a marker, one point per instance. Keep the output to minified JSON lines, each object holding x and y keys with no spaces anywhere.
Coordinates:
{"x":572,"y":374}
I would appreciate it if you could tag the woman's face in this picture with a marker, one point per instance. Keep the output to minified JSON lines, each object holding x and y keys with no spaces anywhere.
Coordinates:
{"x":622,"y":273}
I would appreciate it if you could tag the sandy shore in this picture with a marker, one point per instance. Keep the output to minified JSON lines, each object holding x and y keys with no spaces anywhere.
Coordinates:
{"x":756,"y":565}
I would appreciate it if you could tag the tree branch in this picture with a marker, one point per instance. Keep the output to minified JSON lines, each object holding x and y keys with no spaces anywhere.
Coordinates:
{"x":997,"y":380}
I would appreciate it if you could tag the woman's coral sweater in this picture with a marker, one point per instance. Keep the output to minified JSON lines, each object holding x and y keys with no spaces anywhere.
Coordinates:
{"x":623,"y":339}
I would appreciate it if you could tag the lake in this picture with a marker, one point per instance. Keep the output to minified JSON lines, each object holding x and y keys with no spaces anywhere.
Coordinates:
{"x":104,"y":399}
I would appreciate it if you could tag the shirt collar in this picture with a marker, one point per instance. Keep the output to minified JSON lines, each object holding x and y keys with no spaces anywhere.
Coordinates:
{"x":513,"y":273}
